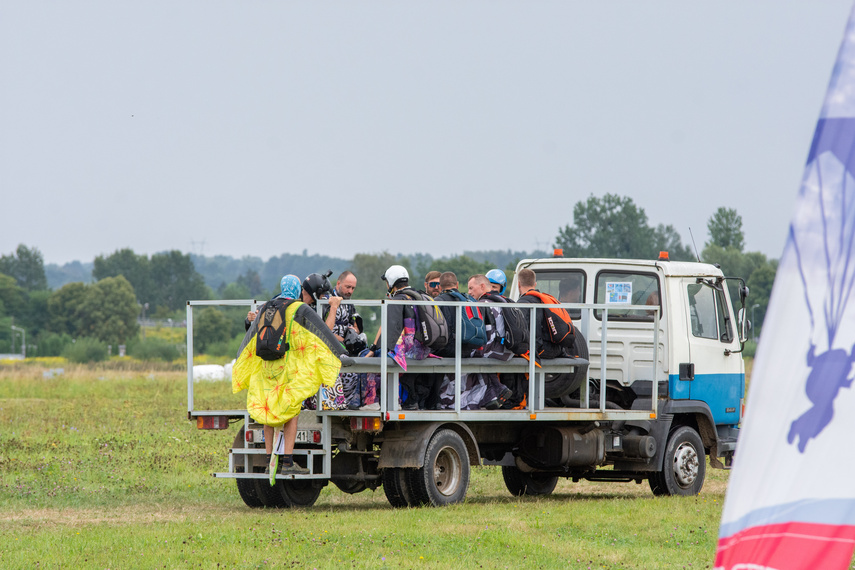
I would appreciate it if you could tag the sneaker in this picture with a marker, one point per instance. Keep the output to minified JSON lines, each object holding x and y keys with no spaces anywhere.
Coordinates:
{"x":272,"y":468}
{"x":293,"y":469}
{"x":409,"y":407}
{"x":375,"y":407}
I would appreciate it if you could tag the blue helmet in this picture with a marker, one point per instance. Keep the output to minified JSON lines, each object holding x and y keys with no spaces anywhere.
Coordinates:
{"x":497,"y":276}
{"x":290,"y":286}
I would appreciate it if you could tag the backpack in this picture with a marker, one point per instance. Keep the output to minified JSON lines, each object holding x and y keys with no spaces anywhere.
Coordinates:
{"x":473,"y":332}
{"x":270,"y":343}
{"x":559,"y":326}
{"x":516,"y":332}
{"x":431,"y":328}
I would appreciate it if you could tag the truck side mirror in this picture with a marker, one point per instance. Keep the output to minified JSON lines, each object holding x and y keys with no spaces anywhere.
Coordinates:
{"x":743,"y":293}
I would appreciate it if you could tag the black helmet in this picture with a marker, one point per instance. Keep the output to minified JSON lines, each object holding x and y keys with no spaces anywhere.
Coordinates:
{"x":354,"y":342}
{"x":316,"y":284}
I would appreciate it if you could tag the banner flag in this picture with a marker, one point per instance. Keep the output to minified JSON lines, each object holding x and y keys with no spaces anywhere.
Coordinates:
{"x":791,"y":498}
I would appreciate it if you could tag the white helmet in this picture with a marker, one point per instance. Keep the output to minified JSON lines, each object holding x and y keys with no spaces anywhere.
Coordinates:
{"x":394,"y":274}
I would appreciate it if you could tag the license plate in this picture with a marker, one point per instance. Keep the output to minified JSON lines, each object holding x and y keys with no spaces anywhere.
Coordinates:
{"x":303,"y":436}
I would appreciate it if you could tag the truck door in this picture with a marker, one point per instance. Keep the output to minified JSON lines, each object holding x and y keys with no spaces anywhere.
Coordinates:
{"x":719,"y":378}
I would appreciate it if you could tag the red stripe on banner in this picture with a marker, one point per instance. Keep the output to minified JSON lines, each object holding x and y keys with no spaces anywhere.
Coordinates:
{"x":788,"y":546}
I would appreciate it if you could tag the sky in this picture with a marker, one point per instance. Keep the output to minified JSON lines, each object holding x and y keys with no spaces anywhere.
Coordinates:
{"x":269,"y":127}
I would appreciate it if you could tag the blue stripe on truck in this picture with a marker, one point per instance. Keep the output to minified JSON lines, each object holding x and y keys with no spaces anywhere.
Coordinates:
{"x":723,"y":393}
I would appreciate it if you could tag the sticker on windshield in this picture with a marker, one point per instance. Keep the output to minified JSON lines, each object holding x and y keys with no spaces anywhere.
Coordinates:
{"x":618,"y":292}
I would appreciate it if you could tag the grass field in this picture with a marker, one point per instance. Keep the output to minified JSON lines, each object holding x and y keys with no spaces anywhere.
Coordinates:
{"x":99,"y":468}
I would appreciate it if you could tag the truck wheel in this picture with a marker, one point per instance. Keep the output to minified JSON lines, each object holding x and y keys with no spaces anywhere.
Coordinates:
{"x":396,"y":485}
{"x":298,"y":492}
{"x":271,"y":497}
{"x":245,"y":487}
{"x":444,"y":478}
{"x":521,"y":483}
{"x":684,"y":467}
{"x":558,"y":385}
{"x":246,"y":490}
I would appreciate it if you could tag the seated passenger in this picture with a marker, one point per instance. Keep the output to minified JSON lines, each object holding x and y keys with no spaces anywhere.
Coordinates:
{"x":544,"y":348}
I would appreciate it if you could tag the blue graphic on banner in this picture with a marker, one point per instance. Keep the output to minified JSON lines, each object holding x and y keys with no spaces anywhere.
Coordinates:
{"x":822,"y":236}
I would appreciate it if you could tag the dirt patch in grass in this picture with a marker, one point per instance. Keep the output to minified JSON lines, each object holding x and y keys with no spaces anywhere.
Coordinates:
{"x":114,"y":515}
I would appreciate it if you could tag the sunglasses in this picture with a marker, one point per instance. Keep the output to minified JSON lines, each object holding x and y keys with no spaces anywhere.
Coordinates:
{"x":433,"y":284}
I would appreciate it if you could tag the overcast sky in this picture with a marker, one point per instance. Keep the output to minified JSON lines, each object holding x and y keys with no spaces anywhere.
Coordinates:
{"x":260,"y":128}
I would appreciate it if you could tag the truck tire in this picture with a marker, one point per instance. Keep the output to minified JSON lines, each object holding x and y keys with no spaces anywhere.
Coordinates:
{"x":271,"y":497}
{"x":520,"y":483}
{"x":396,"y":485}
{"x":444,"y":478}
{"x":246,"y":490}
{"x":245,"y":487}
{"x":558,"y":385}
{"x":684,"y":467}
{"x":298,"y":492}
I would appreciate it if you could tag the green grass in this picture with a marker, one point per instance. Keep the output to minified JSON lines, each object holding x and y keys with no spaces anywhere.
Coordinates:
{"x":101,"y":469}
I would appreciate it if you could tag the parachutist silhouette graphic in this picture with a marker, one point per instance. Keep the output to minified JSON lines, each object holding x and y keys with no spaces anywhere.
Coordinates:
{"x":829,"y":373}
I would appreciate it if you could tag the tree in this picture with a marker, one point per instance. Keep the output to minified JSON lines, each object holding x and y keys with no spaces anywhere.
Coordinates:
{"x":251,"y":280}
{"x":109,"y":311}
{"x":176,"y":280}
{"x":209,"y":327}
{"x":725,"y":229}
{"x":135,"y":268}
{"x":613,"y":226}
{"x":64,"y":308}
{"x":27,"y":267}
{"x":12,"y":297}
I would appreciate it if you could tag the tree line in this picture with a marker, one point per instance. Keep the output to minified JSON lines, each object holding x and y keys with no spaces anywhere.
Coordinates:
{"x":127,"y":286}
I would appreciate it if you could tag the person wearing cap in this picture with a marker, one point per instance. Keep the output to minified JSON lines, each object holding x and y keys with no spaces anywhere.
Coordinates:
{"x":432,"y":284}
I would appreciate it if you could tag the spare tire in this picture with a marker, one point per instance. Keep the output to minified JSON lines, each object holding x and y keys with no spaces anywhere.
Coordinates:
{"x":557,"y":385}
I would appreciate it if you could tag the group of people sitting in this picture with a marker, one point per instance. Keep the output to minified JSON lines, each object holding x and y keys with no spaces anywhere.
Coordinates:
{"x":424,"y":391}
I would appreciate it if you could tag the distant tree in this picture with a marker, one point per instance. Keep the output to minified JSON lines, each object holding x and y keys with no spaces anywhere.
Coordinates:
{"x":109,"y":311}
{"x":64,"y":309}
{"x":725,"y":229}
{"x":251,"y":280}
{"x":368,"y":269}
{"x":235,"y":291}
{"x":135,"y":268}
{"x":614,"y":226}
{"x":27,"y":267}
{"x":760,"y":290}
{"x":34,"y":315}
{"x":175,"y":280}
{"x":12,"y":297}
{"x":209,"y":327}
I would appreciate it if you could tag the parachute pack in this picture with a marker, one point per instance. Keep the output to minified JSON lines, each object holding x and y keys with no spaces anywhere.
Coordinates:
{"x":473,"y":331}
{"x":557,"y":320}
{"x":516,"y":332}
{"x":431,"y":328}
{"x":270,"y":342}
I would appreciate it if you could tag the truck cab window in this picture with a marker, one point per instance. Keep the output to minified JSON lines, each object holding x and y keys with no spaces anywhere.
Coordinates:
{"x":619,"y":289}
{"x":702,"y":311}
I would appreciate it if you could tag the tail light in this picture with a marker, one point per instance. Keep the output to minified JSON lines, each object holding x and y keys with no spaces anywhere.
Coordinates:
{"x":366,"y":424}
{"x":212,"y":422}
